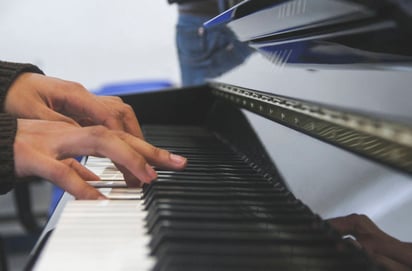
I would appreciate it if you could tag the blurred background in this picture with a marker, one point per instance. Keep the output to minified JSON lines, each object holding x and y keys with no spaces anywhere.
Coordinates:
{"x":94,"y":42}
{"x":100,"y":42}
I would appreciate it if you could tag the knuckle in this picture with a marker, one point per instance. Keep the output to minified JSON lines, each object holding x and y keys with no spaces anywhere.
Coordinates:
{"x":121,"y":134}
{"x":358,"y":219}
{"x":128,"y":108}
{"x":70,"y":162}
{"x":364,"y":219}
{"x":159,"y":154}
{"x":117,"y":114}
{"x":353,"y":216}
{"x":75,"y":86}
{"x":116,"y":98}
{"x":99,"y":131}
{"x":156,"y":152}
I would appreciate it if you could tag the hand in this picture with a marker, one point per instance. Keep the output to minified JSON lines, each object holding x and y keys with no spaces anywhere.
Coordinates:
{"x":44,"y":149}
{"x":386,"y":250}
{"x":35,"y":96}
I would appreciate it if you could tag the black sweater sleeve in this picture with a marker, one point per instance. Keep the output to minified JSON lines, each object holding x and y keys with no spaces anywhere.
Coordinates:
{"x":8,"y":127}
{"x":8,"y":124}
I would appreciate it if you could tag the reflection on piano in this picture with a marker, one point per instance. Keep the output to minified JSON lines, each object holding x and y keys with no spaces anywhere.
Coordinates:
{"x":233,"y":208}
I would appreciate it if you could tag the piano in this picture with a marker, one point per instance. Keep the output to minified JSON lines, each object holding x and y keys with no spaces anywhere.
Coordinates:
{"x":315,"y":124}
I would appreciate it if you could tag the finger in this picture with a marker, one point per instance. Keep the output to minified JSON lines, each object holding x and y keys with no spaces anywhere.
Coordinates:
{"x":342,"y":225}
{"x":64,"y":177}
{"x":76,"y":101}
{"x":373,"y":239}
{"x":100,"y":141}
{"x":354,"y":224}
{"x":129,"y":178}
{"x":360,"y":226}
{"x":108,"y":111}
{"x":390,"y":264}
{"x":390,"y":248}
{"x":155,"y":156}
{"x":125,"y":114}
{"x":82,"y":171}
{"x":46,"y":113}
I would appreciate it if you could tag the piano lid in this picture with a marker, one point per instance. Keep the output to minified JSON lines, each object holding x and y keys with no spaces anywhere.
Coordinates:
{"x":325,"y":31}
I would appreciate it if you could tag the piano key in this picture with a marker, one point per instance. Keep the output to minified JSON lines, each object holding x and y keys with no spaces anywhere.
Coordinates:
{"x":209,"y":181}
{"x":269,"y":196}
{"x":250,"y":250}
{"x":108,"y":183}
{"x":217,"y":210}
{"x":99,"y":235}
{"x":122,"y":193}
{"x":226,"y":263}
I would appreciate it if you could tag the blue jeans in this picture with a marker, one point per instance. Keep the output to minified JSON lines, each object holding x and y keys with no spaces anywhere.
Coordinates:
{"x":206,"y":53}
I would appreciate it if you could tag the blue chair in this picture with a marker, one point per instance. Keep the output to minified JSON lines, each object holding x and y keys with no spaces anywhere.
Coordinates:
{"x":132,"y":87}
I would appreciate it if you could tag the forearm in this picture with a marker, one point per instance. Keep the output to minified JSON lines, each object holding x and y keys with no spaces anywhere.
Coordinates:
{"x":8,"y":73}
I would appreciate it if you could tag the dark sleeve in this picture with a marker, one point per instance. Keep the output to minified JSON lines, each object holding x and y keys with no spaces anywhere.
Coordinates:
{"x":8,"y":127}
{"x":8,"y":73}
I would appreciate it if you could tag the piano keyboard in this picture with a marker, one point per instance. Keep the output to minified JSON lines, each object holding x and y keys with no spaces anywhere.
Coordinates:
{"x":221,"y":213}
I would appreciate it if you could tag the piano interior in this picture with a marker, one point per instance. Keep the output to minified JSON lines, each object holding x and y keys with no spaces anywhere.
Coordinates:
{"x":315,"y":124}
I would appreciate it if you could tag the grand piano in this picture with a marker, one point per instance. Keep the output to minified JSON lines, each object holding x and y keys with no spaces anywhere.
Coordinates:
{"x":315,"y":124}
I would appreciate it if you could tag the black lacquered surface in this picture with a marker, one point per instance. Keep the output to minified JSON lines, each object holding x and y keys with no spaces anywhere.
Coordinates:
{"x":222,"y":214}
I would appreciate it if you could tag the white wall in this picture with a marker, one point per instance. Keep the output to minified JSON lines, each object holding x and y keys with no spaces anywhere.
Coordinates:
{"x":92,"y":41}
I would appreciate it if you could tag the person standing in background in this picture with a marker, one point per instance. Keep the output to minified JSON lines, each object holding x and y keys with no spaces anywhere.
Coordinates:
{"x":205,"y":53}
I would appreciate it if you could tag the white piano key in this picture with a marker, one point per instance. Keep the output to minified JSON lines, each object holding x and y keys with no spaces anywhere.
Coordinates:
{"x":99,"y":235}
{"x":104,"y":168}
{"x":122,"y":193}
{"x":104,"y":183}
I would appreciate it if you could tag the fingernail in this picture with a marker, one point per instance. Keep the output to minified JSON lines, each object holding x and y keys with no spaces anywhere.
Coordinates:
{"x":151,"y":172}
{"x":177,"y":159}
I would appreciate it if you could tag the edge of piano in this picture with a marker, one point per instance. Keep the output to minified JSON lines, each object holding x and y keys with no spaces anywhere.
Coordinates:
{"x":215,"y":106}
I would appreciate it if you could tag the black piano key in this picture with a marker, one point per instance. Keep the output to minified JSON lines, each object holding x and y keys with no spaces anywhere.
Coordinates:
{"x":216,"y":175}
{"x":220,"y":213}
{"x":206,"y":181}
{"x":206,"y":262}
{"x":189,"y":213}
{"x":256,"y":249}
{"x":210,"y":189}
{"x":255,"y":203}
{"x":223,"y":226}
{"x":155,"y":195}
{"x":226,"y":209}
{"x":235,"y":243}
{"x":251,"y":250}
{"x":281,"y":219}
{"x":217,"y":161}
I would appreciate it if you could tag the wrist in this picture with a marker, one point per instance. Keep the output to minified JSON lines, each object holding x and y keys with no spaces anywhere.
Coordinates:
{"x":9,"y":72}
